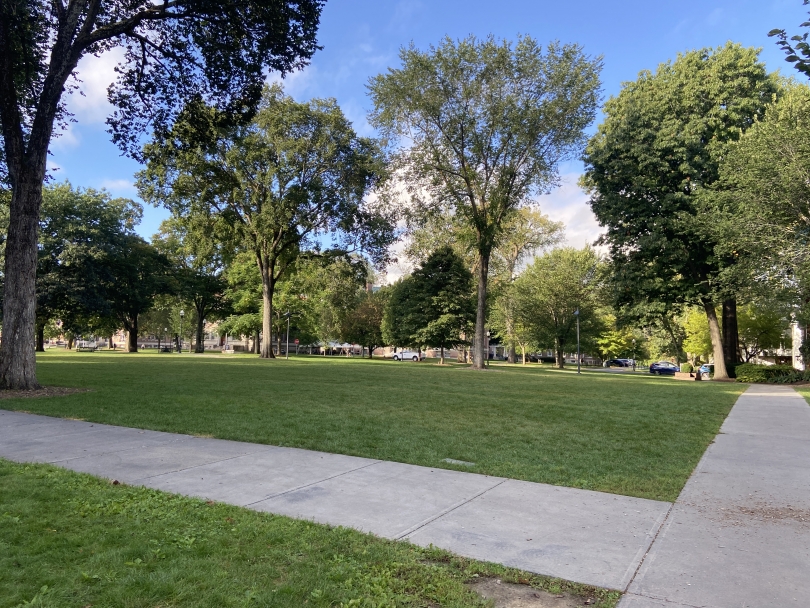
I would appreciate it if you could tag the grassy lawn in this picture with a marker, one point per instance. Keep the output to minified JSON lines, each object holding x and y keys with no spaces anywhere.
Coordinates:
{"x":634,"y":435}
{"x":71,"y":540}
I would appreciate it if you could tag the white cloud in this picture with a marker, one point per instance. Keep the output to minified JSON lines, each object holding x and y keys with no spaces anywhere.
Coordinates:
{"x":296,"y":84}
{"x":90,"y":103}
{"x":119,"y":187}
{"x":54,"y":170}
{"x":65,"y":139}
{"x":569,"y":204}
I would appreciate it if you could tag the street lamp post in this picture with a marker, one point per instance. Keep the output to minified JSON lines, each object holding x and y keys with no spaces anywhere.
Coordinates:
{"x":579,"y":370}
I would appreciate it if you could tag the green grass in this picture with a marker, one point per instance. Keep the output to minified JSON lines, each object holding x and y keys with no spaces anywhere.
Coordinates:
{"x":72,"y":540}
{"x":633,"y":435}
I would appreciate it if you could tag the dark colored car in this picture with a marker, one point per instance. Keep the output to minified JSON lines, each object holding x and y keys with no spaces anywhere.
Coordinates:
{"x":664,"y":368}
{"x":618,"y":363}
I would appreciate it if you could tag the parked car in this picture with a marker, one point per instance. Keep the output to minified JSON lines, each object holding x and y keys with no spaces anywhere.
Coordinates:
{"x":707,"y":369}
{"x":405,"y":355}
{"x":664,"y":368}
{"x":618,"y":363}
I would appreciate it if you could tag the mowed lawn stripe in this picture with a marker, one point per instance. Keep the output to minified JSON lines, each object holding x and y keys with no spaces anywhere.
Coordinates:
{"x":633,"y":435}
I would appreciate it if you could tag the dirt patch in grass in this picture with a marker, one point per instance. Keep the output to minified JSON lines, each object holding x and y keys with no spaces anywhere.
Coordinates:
{"x":511,"y":595}
{"x":45,"y":391}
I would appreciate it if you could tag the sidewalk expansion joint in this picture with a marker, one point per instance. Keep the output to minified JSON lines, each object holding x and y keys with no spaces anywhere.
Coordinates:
{"x":450,"y":509}
{"x":205,"y":464}
{"x":306,"y":485}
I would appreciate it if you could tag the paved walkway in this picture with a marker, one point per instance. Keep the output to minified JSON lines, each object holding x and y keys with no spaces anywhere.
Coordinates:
{"x":590,"y":537}
{"x":739,"y":534}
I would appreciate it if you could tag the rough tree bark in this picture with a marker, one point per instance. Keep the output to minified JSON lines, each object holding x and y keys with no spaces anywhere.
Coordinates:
{"x":268,"y":283}
{"x":40,"y":339}
{"x":731,"y":336}
{"x":479,"y":343}
{"x":200,"y":346}
{"x":17,"y":351}
{"x":132,"y":335}
{"x":559,"y":354}
{"x":720,"y":372}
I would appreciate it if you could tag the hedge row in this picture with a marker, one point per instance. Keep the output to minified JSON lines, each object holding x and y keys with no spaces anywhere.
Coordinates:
{"x":770,"y":374}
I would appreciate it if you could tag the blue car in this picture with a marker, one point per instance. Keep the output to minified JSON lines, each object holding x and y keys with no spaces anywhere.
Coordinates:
{"x":707,"y":369}
{"x":664,"y":368}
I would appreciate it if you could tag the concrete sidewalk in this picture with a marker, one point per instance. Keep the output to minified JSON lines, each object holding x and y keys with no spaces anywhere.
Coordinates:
{"x":589,"y":537}
{"x":739,"y":534}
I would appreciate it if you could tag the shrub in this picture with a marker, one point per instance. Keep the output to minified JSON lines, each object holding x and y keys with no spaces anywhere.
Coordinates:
{"x":687,"y":368}
{"x":763,"y":374}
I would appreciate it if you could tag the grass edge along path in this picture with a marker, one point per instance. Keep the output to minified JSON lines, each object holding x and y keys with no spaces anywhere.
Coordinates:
{"x":633,"y":435}
{"x":71,"y":539}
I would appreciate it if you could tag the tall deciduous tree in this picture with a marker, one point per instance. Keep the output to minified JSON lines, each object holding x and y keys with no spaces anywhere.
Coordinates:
{"x":363,"y":324}
{"x":526,"y":233}
{"x":434,"y":306}
{"x":484,"y":125}
{"x":197,"y":257}
{"x":138,"y":273}
{"x":763,"y":326}
{"x":550,"y":291}
{"x":297,"y":174}
{"x":443,"y":289}
{"x":764,"y":212}
{"x":660,"y":145}
{"x":174,"y":51}
{"x":79,"y":233}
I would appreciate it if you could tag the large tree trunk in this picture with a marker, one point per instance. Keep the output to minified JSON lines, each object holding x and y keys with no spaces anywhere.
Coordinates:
{"x":200,"y":346}
{"x":111,"y":343}
{"x":720,"y":372}
{"x":132,"y":336}
{"x":267,"y":314}
{"x":17,"y":356}
{"x":479,"y":343}
{"x":40,"y":339}
{"x":559,"y":354}
{"x":256,"y":341}
{"x":731,"y":336}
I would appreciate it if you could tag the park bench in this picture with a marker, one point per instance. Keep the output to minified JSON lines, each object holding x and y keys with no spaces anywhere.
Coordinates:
{"x":85,"y":348}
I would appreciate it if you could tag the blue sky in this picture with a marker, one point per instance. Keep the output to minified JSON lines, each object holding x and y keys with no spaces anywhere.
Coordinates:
{"x":362,"y":37}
